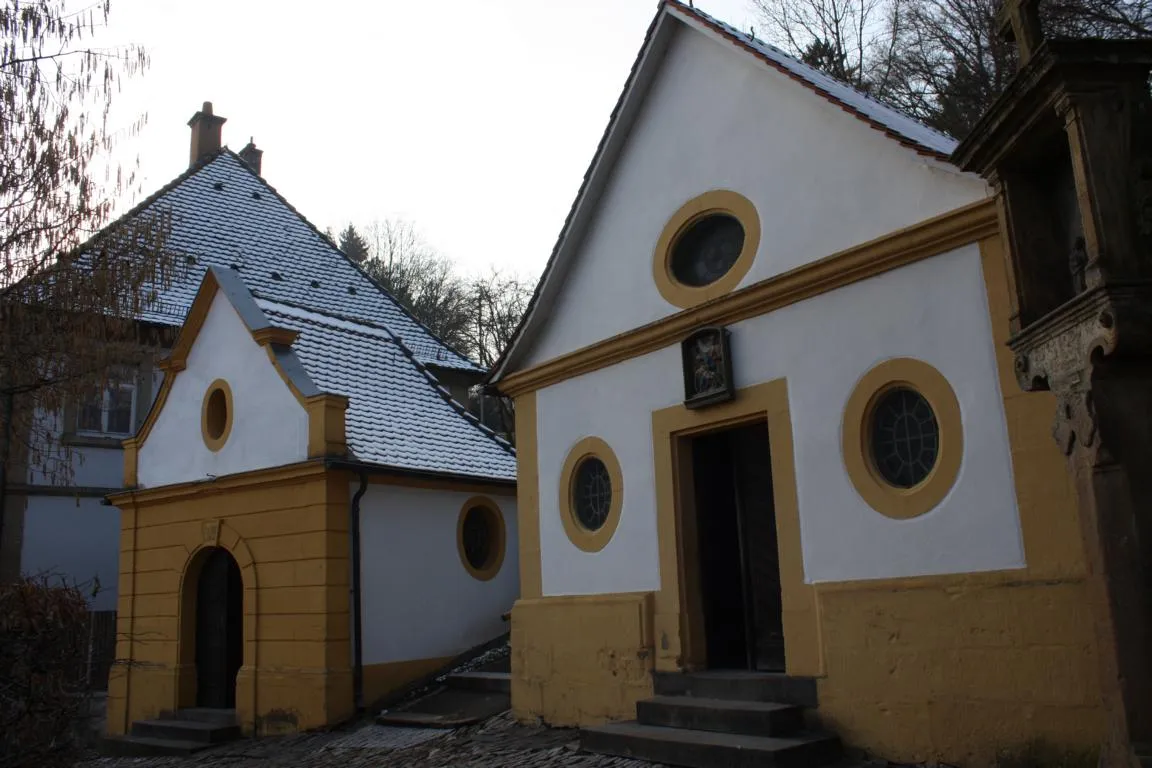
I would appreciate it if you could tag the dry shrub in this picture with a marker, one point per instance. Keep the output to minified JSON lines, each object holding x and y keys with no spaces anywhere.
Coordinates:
{"x":43,"y":672}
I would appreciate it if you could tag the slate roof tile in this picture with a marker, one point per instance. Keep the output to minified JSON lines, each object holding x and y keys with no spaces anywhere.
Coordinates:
{"x":398,"y":414}
{"x":224,"y":214}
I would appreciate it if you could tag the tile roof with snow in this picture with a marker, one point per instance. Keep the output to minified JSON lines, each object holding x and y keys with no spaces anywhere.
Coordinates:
{"x":398,"y":414}
{"x":223,"y":214}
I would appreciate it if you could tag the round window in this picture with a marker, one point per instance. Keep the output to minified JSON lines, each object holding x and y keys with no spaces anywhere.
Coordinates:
{"x":480,"y":538}
{"x":905,"y":437}
{"x":591,"y":493}
{"x":479,"y":533}
{"x":216,"y":414}
{"x":707,"y":250}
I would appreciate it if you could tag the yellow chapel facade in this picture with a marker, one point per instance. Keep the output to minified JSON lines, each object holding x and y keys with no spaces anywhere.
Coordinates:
{"x":769,"y":429}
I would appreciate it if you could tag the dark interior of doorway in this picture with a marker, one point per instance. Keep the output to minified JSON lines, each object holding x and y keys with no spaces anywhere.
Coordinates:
{"x":219,"y":630}
{"x":738,"y":556}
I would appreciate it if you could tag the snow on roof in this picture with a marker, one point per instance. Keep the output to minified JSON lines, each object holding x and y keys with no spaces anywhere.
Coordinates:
{"x":398,"y":414}
{"x":863,"y":106}
{"x":223,"y":214}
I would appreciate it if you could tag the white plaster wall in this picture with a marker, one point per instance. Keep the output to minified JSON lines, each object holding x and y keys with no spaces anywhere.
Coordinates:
{"x":78,"y":539}
{"x":418,"y":600}
{"x":821,"y":180}
{"x":935,"y":311}
{"x":269,"y":427}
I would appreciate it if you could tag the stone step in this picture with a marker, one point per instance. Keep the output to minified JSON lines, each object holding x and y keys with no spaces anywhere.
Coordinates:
{"x":203,"y":715}
{"x":448,"y":708}
{"x":186,"y":730}
{"x":753,"y":718}
{"x":146,"y":746}
{"x":707,"y":749}
{"x":499,"y":682}
{"x":738,"y":685}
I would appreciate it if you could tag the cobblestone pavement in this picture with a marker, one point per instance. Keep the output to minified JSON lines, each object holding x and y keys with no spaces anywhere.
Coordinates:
{"x":497,"y":743}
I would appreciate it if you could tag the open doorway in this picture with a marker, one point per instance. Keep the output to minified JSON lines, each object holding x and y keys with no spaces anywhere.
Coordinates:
{"x":219,"y":630}
{"x":736,"y":549}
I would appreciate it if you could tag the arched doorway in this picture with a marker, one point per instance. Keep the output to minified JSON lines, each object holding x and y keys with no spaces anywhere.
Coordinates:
{"x":219,"y":630}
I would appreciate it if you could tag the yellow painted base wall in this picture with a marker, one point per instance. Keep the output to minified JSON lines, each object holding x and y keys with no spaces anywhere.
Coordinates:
{"x":288,"y":531}
{"x":953,"y":670}
{"x":581,"y":660}
{"x":957,"y":672}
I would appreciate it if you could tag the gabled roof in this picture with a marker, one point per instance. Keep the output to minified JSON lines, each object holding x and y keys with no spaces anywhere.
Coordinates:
{"x":225,"y":215}
{"x":671,"y":15}
{"x":398,"y":415}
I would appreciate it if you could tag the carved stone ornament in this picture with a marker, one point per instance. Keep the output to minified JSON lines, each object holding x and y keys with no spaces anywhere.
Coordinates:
{"x":1075,"y":421}
{"x":707,"y":362}
{"x":210,"y":531}
{"x":1058,"y":350}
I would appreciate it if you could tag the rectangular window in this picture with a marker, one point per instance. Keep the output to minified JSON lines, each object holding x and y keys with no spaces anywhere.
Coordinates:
{"x":111,"y":410}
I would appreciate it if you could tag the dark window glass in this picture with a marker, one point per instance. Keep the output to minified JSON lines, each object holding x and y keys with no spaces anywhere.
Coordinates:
{"x":120,"y":409}
{"x":705,"y":253}
{"x":905,"y":437}
{"x":479,"y":538}
{"x":592,"y":493}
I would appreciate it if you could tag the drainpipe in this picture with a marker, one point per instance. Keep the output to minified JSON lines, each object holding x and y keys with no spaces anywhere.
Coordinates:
{"x":357,"y":635}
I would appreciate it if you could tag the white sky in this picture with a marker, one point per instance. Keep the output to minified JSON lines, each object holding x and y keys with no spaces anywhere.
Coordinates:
{"x":476,"y":120}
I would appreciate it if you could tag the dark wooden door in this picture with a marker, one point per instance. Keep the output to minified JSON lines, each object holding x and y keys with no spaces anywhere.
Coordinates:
{"x":219,"y":630}
{"x":737,"y":548}
{"x":752,"y":477}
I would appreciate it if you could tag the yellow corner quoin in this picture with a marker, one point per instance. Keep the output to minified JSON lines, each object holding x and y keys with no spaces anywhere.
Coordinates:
{"x":485,"y":506}
{"x":715,"y":201}
{"x":528,"y":497}
{"x":885,"y":498}
{"x":216,"y":414}
{"x":583,"y":538}
{"x":931,"y":237}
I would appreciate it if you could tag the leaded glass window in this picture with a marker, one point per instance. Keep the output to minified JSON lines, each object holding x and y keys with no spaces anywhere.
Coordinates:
{"x":707,"y":250}
{"x":592,"y":493}
{"x":479,"y":537}
{"x":905,"y":437}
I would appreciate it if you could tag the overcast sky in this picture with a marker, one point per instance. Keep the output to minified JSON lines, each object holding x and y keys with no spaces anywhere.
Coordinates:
{"x":475,"y":119}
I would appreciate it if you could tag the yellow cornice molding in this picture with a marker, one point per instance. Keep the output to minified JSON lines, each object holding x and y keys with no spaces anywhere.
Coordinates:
{"x":940,"y":234}
{"x":274,"y":476}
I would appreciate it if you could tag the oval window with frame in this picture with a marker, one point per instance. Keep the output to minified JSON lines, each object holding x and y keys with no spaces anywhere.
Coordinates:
{"x":706,"y":250}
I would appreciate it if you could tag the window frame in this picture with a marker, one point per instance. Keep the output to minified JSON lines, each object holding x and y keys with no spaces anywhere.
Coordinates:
{"x":888,"y":499}
{"x":129,"y":380}
{"x":717,"y":201}
{"x":583,"y":538}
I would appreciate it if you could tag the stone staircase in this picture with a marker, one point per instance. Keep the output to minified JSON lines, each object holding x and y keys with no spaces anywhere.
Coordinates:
{"x":183,"y":732}
{"x":721,"y":718}
{"x":464,"y":698}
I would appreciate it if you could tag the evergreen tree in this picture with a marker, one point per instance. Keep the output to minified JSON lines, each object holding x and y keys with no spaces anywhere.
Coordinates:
{"x":353,"y":244}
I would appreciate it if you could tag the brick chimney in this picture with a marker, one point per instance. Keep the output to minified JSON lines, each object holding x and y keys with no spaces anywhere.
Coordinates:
{"x":205,"y":133}
{"x":251,"y":156}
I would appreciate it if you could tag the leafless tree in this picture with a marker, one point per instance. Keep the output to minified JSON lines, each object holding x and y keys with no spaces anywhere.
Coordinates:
{"x":67,"y":313}
{"x":941,"y":61}
{"x":847,"y":39}
{"x":424,"y":281}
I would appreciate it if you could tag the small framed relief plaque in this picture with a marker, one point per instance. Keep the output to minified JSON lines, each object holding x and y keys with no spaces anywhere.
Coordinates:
{"x":707,"y":362}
